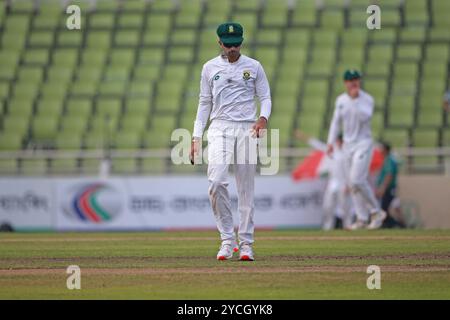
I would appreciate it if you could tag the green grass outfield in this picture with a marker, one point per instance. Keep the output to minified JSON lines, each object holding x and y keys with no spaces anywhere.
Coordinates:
{"x":290,"y":264}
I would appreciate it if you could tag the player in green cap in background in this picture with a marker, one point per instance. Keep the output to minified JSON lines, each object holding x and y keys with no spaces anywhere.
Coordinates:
{"x":353,"y":112}
{"x":228,"y":87}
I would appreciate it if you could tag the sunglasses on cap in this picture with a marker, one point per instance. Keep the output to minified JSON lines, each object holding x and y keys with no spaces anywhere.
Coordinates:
{"x":229,"y":45}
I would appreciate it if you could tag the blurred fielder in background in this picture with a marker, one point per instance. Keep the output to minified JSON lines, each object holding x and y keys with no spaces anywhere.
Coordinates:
{"x":353,"y":111}
{"x":228,"y":86}
{"x":336,"y":202}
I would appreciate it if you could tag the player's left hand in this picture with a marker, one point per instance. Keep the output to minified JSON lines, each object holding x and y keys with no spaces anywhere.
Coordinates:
{"x":259,"y":125}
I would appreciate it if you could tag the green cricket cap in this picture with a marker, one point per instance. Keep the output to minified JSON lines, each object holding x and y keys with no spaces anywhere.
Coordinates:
{"x":230,"y":32}
{"x":352,"y":74}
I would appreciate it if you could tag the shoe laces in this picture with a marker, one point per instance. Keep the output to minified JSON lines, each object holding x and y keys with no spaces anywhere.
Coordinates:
{"x":223,"y":245}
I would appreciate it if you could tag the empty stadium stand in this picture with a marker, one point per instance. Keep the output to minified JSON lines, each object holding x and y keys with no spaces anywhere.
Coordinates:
{"x":131,"y":74}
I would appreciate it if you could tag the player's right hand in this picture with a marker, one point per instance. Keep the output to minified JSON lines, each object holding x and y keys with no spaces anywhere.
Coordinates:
{"x":194,"y":149}
{"x":330,"y":150}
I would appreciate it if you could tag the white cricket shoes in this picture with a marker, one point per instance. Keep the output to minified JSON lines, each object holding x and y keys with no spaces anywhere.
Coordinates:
{"x":358,"y":225}
{"x":246,"y":252}
{"x":226,"y":250}
{"x":377,"y":220}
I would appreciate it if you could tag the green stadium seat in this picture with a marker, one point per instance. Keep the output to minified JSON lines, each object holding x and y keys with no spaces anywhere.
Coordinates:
{"x":430,"y":117}
{"x":49,"y":107}
{"x":441,"y":34}
{"x":117,"y":73}
{"x":297,"y":38}
{"x":425,"y":138}
{"x":95,"y":140}
{"x":10,"y":141}
{"x":65,"y":57}
{"x":188,"y":16}
{"x":82,"y":88}
{"x":354,"y":37}
{"x":154,"y":139}
{"x":268,"y":37}
{"x":30,"y":74}
{"x":99,"y":39}
{"x":127,"y":140}
{"x":68,"y":141}
{"x":140,"y":89}
{"x":41,"y":39}
{"x":13,"y":40}
{"x":275,"y":13}
{"x":401,"y":111}
{"x":378,"y":90}
{"x":146,"y":72}
{"x":304,"y":14}
{"x":59,"y":74}
{"x":133,"y":123}
{"x":332,"y":19}
{"x":54,"y":90}
{"x":111,"y":107}
{"x":411,"y":52}
{"x":391,"y":18}
{"x":102,"y":20}
{"x":314,"y":104}
{"x":183,"y":54}
{"x":79,"y":107}
{"x":112,"y":88}
{"x":8,"y":166}
{"x":64,"y":166}
{"x":413,"y":34}
{"x":164,"y":124}
{"x":90,"y":166}
{"x":154,"y":166}
{"x":130,"y":20}
{"x":405,"y":70}
{"x":36,"y":57}
{"x":124,"y":166}
{"x":20,"y":107}
{"x":68,"y":38}
{"x":15,"y":124}
{"x":127,"y":38}
{"x":152,"y":56}
{"x":398,"y":138}
{"x":122,"y":57}
{"x":74,"y":125}
{"x":44,"y":128}
{"x":45,"y":21}
{"x":323,"y":38}
{"x":33,"y":167}
{"x":93,"y":57}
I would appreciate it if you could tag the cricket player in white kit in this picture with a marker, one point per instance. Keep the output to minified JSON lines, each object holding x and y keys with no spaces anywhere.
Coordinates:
{"x":228,"y":87}
{"x":353,"y":110}
{"x":335,"y":198}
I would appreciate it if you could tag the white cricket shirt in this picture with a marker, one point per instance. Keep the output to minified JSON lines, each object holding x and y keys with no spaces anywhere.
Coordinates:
{"x":228,"y":91}
{"x":354,"y":116}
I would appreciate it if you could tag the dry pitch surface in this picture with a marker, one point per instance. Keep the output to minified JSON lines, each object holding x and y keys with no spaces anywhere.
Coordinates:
{"x":290,"y":264}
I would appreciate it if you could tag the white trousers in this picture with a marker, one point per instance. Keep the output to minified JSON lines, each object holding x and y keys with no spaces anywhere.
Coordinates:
{"x":230,"y":143}
{"x":335,"y":198}
{"x":357,"y":159}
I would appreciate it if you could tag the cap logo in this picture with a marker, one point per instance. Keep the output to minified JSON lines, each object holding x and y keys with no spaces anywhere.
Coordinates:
{"x":230,"y":29}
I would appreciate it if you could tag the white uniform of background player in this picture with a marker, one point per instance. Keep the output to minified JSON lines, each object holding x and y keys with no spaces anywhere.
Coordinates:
{"x":227,"y":96}
{"x":353,"y":111}
{"x":335,"y":199}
